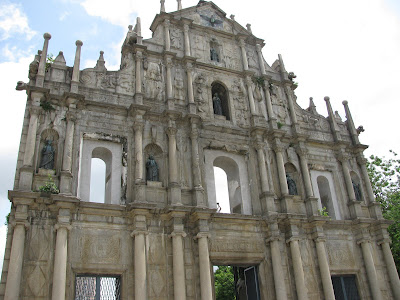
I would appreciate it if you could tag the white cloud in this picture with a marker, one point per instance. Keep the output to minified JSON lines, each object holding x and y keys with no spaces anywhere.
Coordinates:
{"x":14,"y":53}
{"x":13,"y":21}
{"x":3,"y":235}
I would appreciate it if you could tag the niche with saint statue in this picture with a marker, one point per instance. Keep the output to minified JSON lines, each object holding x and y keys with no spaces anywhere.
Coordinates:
{"x":220,"y":100}
{"x":293,"y":180}
{"x":154,"y":165}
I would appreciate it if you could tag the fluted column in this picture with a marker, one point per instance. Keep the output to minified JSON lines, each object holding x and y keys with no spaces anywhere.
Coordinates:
{"x":66,"y":172}
{"x":281,"y":170}
{"x":189,"y":70}
{"x":138,"y":127}
{"x":361,"y":160}
{"x":60,"y":262}
{"x":43,"y":59}
{"x":279,"y":278}
{"x":138,"y":77}
{"x":186,"y":38}
{"x":324,"y":269}
{"x":302,"y":152}
{"x":251,"y":97}
{"x":391,"y":268}
{"x":75,"y":71}
{"x":260,"y":59}
{"x":347,"y":178}
{"x":14,"y":274}
{"x":198,"y":188}
{"x":167,"y":36}
{"x":298,"y":269}
{"x":168,"y":64}
{"x":140,"y":264}
{"x":371,"y":271}
{"x":178,"y":265}
{"x":26,"y":173}
{"x":270,"y":111}
{"x":205,"y":268}
{"x":292,"y":112}
{"x":244,"y":54}
{"x":263,"y":168}
{"x":174,"y":187}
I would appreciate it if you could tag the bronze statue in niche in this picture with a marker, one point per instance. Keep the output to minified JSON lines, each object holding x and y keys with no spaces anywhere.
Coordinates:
{"x":48,"y":154}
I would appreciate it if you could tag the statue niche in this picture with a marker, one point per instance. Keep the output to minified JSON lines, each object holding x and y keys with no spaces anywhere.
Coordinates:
{"x":47,"y":155}
{"x":154,"y":165}
{"x":219,"y":96}
{"x":214,"y":51}
{"x":292,"y":179}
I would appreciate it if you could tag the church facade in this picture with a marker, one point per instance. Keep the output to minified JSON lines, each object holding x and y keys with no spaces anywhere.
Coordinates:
{"x":303,"y":221}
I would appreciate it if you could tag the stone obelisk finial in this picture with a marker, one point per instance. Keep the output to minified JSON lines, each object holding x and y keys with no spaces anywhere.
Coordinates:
{"x":179,"y":4}
{"x":75,"y":71}
{"x":42,"y":63}
{"x":162,"y":9}
{"x":350,"y":123}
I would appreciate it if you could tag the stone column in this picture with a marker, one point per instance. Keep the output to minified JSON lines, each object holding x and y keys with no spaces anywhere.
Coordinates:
{"x":279,"y":278}
{"x":281,"y":170}
{"x":166,"y":35}
{"x":298,"y":269}
{"x":293,"y":116}
{"x":60,"y":262}
{"x":168,"y":64}
{"x":332,"y":120}
{"x":66,"y":172}
{"x":324,"y":269}
{"x":364,"y":172}
{"x":198,"y":188}
{"x":162,"y":9}
{"x":14,"y":274}
{"x":244,"y":54}
{"x":270,"y":111}
{"x":371,"y":271}
{"x":75,"y":71}
{"x":302,"y":152}
{"x":174,"y":188}
{"x":260,"y":59}
{"x":138,"y":76}
{"x":350,"y":123}
{"x":391,"y":268}
{"x":263,"y":168}
{"x":251,"y":97}
{"x":189,"y":70}
{"x":138,"y":127}
{"x":205,"y":268}
{"x":43,"y":59}
{"x":178,"y":265}
{"x":179,"y":4}
{"x":26,"y":172}
{"x":186,"y":38}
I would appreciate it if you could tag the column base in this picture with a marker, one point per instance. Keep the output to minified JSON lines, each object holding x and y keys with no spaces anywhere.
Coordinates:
{"x":138,"y":98}
{"x":140,"y":192}
{"x":171,"y":104}
{"x":375,"y":210}
{"x":66,"y":182}
{"x":312,"y":206}
{"x":192,"y":108}
{"x":199,"y":196}
{"x":174,"y":193}
{"x":355,"y":209}
{"x":25,"y":178}
{"x":268,"y":204}
{"x":287,"y":204}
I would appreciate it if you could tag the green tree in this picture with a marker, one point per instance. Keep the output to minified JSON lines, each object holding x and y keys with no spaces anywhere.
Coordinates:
{"x":385,"y":179}
{"x":224,"y":283}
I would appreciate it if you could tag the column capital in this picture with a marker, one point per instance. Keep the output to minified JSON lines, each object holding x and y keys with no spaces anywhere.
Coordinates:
{"x":178,"y":233}
{"x":320,"y":239}
{"x":361,"y":160}
{"x":384,"y":240}
{"x":63,"y":225}
{"x":202,"y":235}
{"x":26,"y":224}
{"x":167,"y":23}
{"x":138,"y":232}
{"x":139,"y":55}
{"x":186,"y":27}
{"x":168,"y":61}
{"x":241,"y":41}
{"x":34,"y":110}
{"x":70,"y":116}
{"x":343,"y":157}
{"x":293,"y":239}
{"x":302,"y":151}
{"x":258,"y":47}
{"x":363,"y":240}
{"x":273,"y":238}
{"x":171,"y":131}
{"x":138,"y":126}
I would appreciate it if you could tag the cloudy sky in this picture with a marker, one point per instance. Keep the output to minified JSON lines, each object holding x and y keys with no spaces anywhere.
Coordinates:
{"x":348,"y":50}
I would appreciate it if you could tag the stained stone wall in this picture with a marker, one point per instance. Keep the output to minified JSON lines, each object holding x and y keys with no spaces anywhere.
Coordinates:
{"x":163,"y":237}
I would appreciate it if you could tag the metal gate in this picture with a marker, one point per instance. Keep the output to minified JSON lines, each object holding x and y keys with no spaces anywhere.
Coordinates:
{"x":97,"y":287}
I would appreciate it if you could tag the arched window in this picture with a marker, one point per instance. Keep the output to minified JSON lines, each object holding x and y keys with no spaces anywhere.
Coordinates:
{"x":220,"y":100}
{"x":326,"y":196}
{"x":221,"y":191}
{"x":97,"y":180}
{"x":292,"y":179}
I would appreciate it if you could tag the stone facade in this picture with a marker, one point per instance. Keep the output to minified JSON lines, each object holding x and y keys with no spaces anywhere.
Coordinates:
{"x":283,"y":163}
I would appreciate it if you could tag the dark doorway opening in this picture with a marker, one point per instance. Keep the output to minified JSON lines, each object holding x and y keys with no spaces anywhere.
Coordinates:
{"x":236,"y":283}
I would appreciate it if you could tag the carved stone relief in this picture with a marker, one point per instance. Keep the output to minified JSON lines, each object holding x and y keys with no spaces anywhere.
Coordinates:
{"x":198,"y":46}
{"x":179,"y":85}
{"x":201,"y":96}
{"x":239,"y":100}
{"x":252,"y":58}
{"x":230,"y":56}
{"x":279,"y":105}
{"x":176,"y":38}
{"x":340,"y":255}
{"x":101,"y":248}
{"x":154,"y":86}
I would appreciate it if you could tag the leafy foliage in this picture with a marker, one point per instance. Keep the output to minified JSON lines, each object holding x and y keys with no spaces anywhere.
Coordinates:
{"x":385,"y":178}
{"x":46,"y":105}
{"x":49,"y":60}
{"x":49,"y":187}
{"x":259,"y":80}
{"x":323,"y":212}
{"x":224,"y":283}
